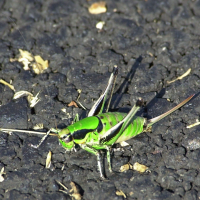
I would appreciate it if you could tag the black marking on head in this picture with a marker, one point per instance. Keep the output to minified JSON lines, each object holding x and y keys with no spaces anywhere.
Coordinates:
{"x":101,"y":117}
{"x":80,"y":134}
{"x":140,"y":102}
{"x":100,"y":126}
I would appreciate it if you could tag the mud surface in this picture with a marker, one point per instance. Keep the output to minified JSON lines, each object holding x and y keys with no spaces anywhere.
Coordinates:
{"x":152,"y":42}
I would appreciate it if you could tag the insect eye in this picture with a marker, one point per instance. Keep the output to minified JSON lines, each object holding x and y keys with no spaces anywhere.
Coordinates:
{"x":67,"y":138}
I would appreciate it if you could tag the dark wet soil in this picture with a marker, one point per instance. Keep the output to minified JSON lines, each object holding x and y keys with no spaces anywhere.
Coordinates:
{"x":151,"y":42}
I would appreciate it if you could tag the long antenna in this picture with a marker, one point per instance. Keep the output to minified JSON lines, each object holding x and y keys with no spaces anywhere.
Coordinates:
{"x":158,"y":118}
{"x":25,"y":131}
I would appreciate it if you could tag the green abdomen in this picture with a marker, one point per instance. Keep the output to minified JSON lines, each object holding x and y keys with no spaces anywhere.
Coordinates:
{"x":110,"y":119}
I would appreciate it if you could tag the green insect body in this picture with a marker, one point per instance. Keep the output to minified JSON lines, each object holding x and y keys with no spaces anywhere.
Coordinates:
{"x":101,"y":130}
{"x":91,"y":130}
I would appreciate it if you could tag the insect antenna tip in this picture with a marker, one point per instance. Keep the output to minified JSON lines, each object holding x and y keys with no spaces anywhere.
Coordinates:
{"x":140,"y":102}
{"x":115,"y":70}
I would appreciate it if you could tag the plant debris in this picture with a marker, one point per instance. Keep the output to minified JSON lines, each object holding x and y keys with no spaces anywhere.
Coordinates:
{"x":31,"y":99}
{"x":72,"y":103}
{"x":40,"y":65}
{"x":100,"y":25}
{"x":120,"y":193}
{"x":195,"y":124}
{"x":9,"y":85}
{"x":38,"y":126}
{"x":181,"y":77}
{"x":27,"y":59}
{"x":74,"y":192}
{"x":48,"y":160}
{"x":126,"y":167}
{"x":1,"y":174}
{"x":97,"y":8}
{"x":137,"y":166}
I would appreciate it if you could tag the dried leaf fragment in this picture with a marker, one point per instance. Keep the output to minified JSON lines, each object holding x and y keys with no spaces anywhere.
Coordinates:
{"x":131,"y":193}
{"x":100,"y":25}
{"x":97,"y":8}
{"x":139,"y":167}
{"x":75,"y":191}
{"x":76,"y":195}
{"x":26,"y":55}
{"x":120,"y":193}
{"x":25,"y":58}
{"x":72,"y":103}
{"x":1,"y":174}
{"x":181,"y":77}
{"x":40,"y":65}
{"x":9,"y":85}
{"x":31,"y":99}
{"x":48,"y":160}
{"x":38,"y":126}
{"x":126,"y":167}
